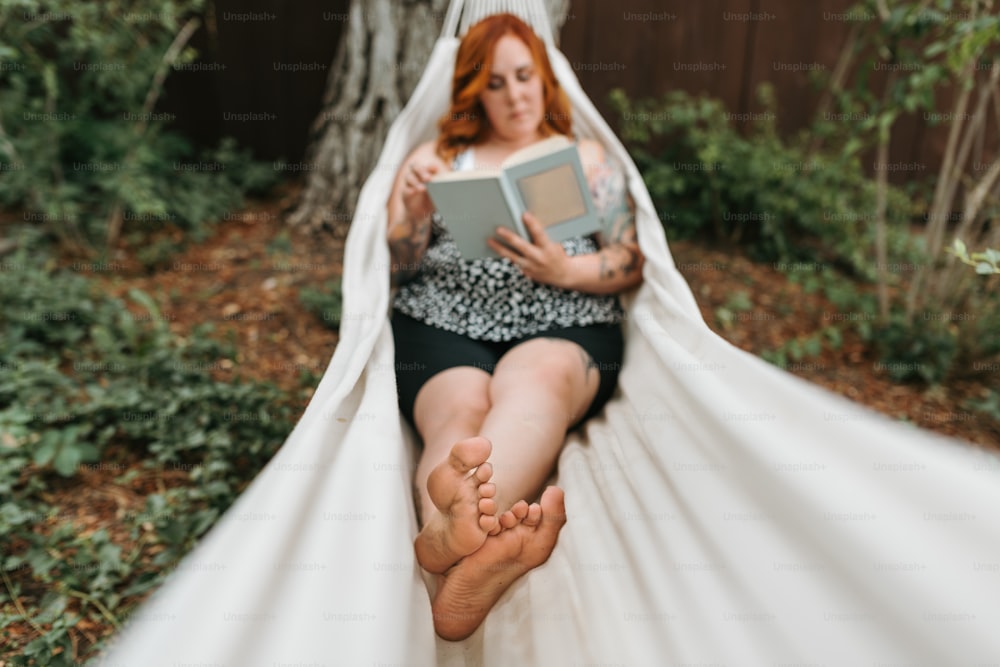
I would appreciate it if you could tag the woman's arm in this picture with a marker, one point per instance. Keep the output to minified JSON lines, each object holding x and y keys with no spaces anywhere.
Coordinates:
{"x":409,"y":210}
{"x":618,"y":264}
{"x":615,"y":268}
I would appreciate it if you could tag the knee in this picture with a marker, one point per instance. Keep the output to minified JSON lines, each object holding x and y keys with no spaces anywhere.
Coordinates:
{"x":552,"y":366}
{"x":464,"y":407}
{"x":469,"y":403}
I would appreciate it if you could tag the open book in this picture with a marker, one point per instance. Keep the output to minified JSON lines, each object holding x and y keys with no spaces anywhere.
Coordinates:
{"x":545,"y":178}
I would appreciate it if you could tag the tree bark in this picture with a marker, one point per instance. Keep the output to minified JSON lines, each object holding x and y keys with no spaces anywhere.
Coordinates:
{"x":378,"y":63}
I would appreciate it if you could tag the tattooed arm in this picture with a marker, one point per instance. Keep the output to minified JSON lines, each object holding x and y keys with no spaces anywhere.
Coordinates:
{"x":619,"y":262}
{"x":409,"y":210}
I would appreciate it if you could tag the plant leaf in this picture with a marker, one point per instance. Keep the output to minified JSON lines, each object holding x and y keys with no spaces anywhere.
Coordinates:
{"x":67,"y":459}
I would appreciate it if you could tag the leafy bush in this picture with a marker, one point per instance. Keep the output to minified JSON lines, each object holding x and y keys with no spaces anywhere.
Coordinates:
{"x":789,"y":202}
{"x":928,"y":47}
{"x":82,"y":147}
{"x":89,"y":381}
{"x":783,"y":202}
{"x":795,"y":350}
{"x":907,"y":354}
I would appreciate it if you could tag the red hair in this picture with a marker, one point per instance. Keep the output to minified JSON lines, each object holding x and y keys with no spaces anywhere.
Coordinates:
{"x":466,"y":123}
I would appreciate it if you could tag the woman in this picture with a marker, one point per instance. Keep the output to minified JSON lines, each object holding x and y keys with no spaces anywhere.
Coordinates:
{"x":497,"y":358}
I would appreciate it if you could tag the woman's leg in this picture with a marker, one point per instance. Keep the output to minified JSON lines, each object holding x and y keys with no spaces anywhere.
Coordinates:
{"x":450,"y":407}
{"x":538,"y":390}
{"x":452,"y":480}
{"x":443,"y":392}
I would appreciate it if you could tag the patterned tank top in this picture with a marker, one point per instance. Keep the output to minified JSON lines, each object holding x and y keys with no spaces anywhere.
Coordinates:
{"x":489,"y":298}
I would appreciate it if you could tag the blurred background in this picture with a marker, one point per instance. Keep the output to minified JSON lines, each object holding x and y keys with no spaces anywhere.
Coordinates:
{"x":177,"y":178}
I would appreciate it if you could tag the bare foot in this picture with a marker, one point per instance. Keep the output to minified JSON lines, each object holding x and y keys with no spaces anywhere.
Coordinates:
{"x":474,"y":585}
{"x":466,"y":509}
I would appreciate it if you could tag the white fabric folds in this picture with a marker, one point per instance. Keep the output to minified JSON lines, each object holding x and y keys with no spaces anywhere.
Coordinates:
{"x":721,"y":511}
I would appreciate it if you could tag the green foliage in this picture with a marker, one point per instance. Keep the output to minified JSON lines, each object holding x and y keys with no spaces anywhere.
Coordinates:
{"x":974,"y":321}
{"x":811,"y":200}
{"x":324,"y":302}
{"x":82,"y":147}
{"x":923,"y":48}
{"x":775,"y":197}
{"x":924,"y":354}
{"x":986,"y":262}
{"x":898,"y":45}
{"x":737,"y":302}
{"x":797,"y":350}
{"x":988,"y":405}
{"x":92,"y":382}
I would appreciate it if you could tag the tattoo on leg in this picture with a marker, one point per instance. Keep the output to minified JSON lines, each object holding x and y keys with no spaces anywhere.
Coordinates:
{"x":588,"y":363}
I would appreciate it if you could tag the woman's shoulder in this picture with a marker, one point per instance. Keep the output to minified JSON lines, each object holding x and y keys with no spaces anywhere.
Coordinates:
{"x":428,"y":149}
{"x":426,"y":154}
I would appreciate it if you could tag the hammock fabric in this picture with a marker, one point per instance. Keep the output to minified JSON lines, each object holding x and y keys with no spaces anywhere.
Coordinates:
{"x":721,"y":511}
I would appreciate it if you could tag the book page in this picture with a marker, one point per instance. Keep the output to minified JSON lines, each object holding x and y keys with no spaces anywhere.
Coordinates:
{"x":543,"y":147}
{"x":553,"y":196}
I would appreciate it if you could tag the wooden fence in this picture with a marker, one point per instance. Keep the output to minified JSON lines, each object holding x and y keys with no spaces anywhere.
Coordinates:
{"x":726,"y":49}
{"x":271,"y":59}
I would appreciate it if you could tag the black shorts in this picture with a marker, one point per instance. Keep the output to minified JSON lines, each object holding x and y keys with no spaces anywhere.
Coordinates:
{"x":423,"y":351}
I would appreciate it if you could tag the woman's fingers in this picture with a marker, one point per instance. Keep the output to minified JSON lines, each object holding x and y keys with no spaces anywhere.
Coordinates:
{"x":517,"y":247}
{"x":423,"y":171}
{"x":415,"y":188}
{"x":536,"y":230}
{"x":504,"y":250}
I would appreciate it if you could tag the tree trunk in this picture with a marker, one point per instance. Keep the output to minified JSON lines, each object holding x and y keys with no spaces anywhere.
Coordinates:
{"x":378,"y":63}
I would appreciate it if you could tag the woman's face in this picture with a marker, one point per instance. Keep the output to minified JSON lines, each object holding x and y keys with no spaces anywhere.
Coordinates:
{"x":514,"y":99}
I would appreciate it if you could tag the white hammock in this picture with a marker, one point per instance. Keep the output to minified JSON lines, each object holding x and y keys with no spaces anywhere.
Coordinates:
{"x":721,"y":511}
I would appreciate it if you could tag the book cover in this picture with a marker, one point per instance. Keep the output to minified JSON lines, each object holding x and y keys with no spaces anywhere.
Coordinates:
{"x":545,"y":178}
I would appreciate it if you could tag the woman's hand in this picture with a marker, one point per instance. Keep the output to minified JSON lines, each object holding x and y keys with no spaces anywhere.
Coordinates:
{"x":542,"y":259}
{"x":409,"y":211}
{"x":417,"y":172}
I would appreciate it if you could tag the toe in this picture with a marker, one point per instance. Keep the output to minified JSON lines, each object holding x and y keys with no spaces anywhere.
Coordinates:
{"x":487,"y":490}
{"x":520,"y":509}
{"x":553,"y":504}
{"x":484,"y":472}
{"x":489,"y":524}
{"x":487,"y":506}
{"x":534,"y":516}
{"x":508,"y":520}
